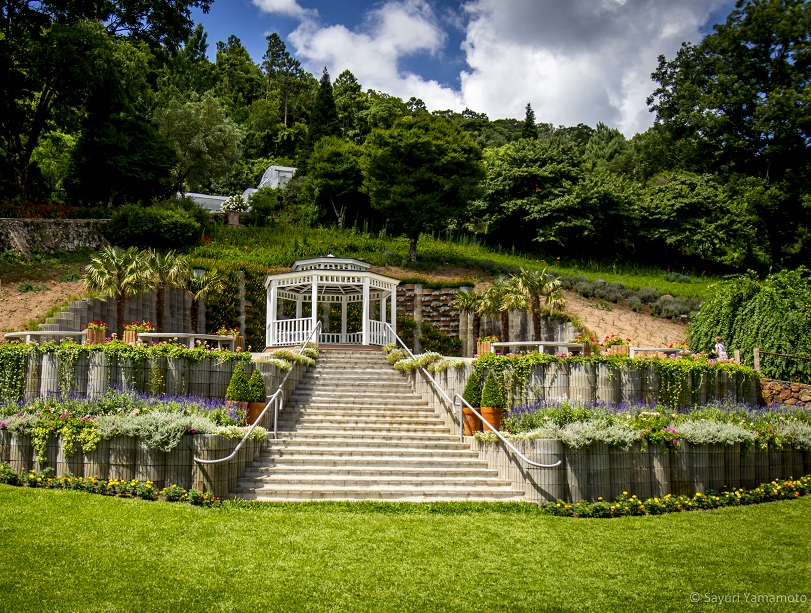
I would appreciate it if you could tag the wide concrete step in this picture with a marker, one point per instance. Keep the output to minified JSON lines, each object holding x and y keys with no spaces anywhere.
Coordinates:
{"x":367,"y":452}
{"x":351,"y":427}
{"x":315,"y":470}
{"x":359,"y":395}
{"x":312,"y":432}
{"x":392,"y":493}
{"x":416,"y":481}
{"x":329,"y":410}
{"x":355,"y":444}
{"x":339,"y":462}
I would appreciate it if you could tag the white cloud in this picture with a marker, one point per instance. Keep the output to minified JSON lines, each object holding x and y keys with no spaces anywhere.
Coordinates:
{"x":289,"y":8}
{"x":578,"y":61}
{"x":390,"y":32}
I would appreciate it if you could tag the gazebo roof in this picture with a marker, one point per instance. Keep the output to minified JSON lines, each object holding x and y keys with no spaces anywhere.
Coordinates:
{"x":330,"y":262}
{"x":338,"y":277}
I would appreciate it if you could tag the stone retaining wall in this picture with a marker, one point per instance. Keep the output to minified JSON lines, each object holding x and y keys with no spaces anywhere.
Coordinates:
{"x":95,"y":372}
{"x":785,"y":392}
{"x":30,"y":236}
{"x":124,"y":458}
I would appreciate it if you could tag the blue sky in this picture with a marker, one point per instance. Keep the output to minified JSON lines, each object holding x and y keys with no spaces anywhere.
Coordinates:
{"x":573,"y":60}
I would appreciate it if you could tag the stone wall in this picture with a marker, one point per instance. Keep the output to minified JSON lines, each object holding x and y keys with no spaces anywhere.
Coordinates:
{"x":30,"y":236}
{"x":785,"y":392}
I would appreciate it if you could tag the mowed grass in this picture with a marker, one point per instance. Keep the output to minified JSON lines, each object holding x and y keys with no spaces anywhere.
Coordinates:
{"x":71,"y":551}
{"x":277,"y":247}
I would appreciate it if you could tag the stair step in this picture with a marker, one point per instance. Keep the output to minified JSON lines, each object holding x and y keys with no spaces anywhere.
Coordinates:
{"x":390,"y":492}
{"x":358,"y":445}
{"x":369,"y":471}
{"x":418,"y":481}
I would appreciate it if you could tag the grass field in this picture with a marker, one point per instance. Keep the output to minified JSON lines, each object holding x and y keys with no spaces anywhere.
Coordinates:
{"x":278,"y":247}
{"x":70,"y":551}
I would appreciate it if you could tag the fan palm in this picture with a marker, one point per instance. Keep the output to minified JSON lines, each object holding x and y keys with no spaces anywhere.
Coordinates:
{"x":470,"y":302}
{"x":497,"y":300}
{"x":119,"y":273}
{"x":534,"y":285}
{"x":200,"y":286}
{"x":169,"y":269}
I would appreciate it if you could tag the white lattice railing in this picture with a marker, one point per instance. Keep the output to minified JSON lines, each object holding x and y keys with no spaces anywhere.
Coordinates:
{"x":350,"y":338}
{"x":290,"y":331}
{"x":379,"y":333}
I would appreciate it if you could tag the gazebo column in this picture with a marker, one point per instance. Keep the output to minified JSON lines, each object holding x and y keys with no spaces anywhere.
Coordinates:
{"x":394,"y":311}
{"x":365,"y":316}
{"x":299,"y":304}
{"x":314,"y":312}
{"x":272,"y":310}
{"x":343,"y":319}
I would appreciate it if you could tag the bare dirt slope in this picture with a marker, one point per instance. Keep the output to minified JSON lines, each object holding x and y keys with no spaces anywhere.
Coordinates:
{"x":17,"y":308}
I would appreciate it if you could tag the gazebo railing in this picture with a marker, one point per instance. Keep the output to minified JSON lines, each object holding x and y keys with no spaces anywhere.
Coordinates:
{"x":291,"y":331}
{"x":380,"y":333}
{"x":350,"y":338}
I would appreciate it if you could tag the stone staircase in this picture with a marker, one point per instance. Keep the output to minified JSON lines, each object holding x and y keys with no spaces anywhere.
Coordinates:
{"x":355,"y":430}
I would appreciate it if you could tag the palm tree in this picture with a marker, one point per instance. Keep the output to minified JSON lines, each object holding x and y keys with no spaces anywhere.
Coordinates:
{"x":198,"y":287}
{"x":534,"y":285}
{"x":119,"y":273}
{"x":169,"y":269}
{"x":497,"y":300}
{"x":470,"y":302}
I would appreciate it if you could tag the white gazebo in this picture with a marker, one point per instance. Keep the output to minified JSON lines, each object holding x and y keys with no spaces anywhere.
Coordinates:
{"x":330,"y":280}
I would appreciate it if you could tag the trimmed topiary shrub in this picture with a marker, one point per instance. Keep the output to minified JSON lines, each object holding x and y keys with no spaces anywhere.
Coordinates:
{"x":238,"y":390}
{"x":256,"y":387}
{"x":492,"y":393}
{"x":473,"y":389}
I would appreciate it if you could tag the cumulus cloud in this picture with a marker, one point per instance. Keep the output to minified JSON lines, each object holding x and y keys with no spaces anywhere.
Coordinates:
{"x":577,"y":61}
{"x":289,"y":8}
{"x":390,"y":32}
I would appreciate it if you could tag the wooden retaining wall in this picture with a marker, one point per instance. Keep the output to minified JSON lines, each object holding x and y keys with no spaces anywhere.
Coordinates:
{"x":124,"y":458}
{"x":95,"y":372}
{"x":600,"y":471}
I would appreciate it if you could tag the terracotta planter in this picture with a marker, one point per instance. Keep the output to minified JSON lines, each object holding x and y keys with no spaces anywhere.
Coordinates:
{"x":239,"y":343}
{"x":493,"y":417}
{"x":472,"y":422}
{"x":237,"y":404}
{"x":254,"y":409}
{"x":95,"y":337}
{"x":618,"y":350}
{"x":130,"y":337}
{"x":482,"y":347}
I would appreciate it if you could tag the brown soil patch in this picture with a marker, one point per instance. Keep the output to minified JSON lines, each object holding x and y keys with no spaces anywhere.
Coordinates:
{"x":18,"y":308}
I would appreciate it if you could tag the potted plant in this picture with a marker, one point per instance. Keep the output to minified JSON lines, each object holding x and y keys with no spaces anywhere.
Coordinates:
{"x":237,"y":392}
{"x":615,"y":345}
{"x":96,"y":331}
{"x":257,"y":396}
{"x":492,"y":402}
{"x":239,"y":340}
{"x":232,"y":208}
{"x":131,"y":331}
{"x":483,"y":344}
{"x":586,"y":339}
{"x":473,"y":396}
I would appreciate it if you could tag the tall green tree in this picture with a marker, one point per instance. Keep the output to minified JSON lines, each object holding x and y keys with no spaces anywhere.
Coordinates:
{"x":121,"y":274}
{"x":421,"y":173}
{"x":282,"y":71}
{"x":51,"y":53}
{"x":168,"y":269}
{"x":207,"y":143}
{"x":240,"y":80}
{"x":743,"y":97}
{"x":349,"y":102}
{"x":198,"y":286}
{"x":335,"y":174}
{"x":324,"y":114}
{"x":529,"y":129}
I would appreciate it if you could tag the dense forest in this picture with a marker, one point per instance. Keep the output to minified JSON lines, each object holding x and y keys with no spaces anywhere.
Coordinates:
{"x":116,"y":104}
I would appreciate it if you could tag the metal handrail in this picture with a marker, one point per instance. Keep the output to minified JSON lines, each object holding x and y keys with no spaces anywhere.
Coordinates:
{"x":276,"y":400}
{"x":461,"y":414}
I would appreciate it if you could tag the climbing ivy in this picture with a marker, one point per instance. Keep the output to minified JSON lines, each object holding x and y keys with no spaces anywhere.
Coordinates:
{"x":13,"y":368}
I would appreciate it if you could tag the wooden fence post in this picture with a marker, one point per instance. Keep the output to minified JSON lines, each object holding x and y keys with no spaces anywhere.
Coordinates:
{"x":757,"y":359}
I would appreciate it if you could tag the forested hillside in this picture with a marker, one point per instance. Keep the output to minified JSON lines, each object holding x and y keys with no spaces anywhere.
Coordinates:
{"x":108,"y":104}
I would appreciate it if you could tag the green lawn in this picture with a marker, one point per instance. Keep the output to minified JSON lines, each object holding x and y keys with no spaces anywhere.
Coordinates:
{"x":279,"y":246}
{"x":71,"y":551}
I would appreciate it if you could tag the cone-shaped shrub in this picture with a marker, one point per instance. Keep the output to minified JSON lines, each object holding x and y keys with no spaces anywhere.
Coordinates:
{"x":473,"y":389}
{"x":238,"y":386}
{"x":256,"y":388}
{"x":492,"y":394}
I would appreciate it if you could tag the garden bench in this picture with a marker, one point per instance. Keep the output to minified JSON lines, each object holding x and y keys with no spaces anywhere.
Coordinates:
{"x":575,"y":348}
{"x":189,"y":338}
{"x":57,"y":335}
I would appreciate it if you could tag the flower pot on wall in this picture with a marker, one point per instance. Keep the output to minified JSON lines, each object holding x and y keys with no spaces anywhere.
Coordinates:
{"x":493,"y":416}
{"x":482,"y":347}
{"x":94,"y":337}
{"x":472,"y":422}
{"x":618,"y":350}
{"x":130,"y":337}
{"x":239,"y":343}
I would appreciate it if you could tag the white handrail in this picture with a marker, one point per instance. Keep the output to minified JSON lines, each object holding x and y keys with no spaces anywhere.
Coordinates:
{"x":479,"y":415}
{"x":276,"y":400}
